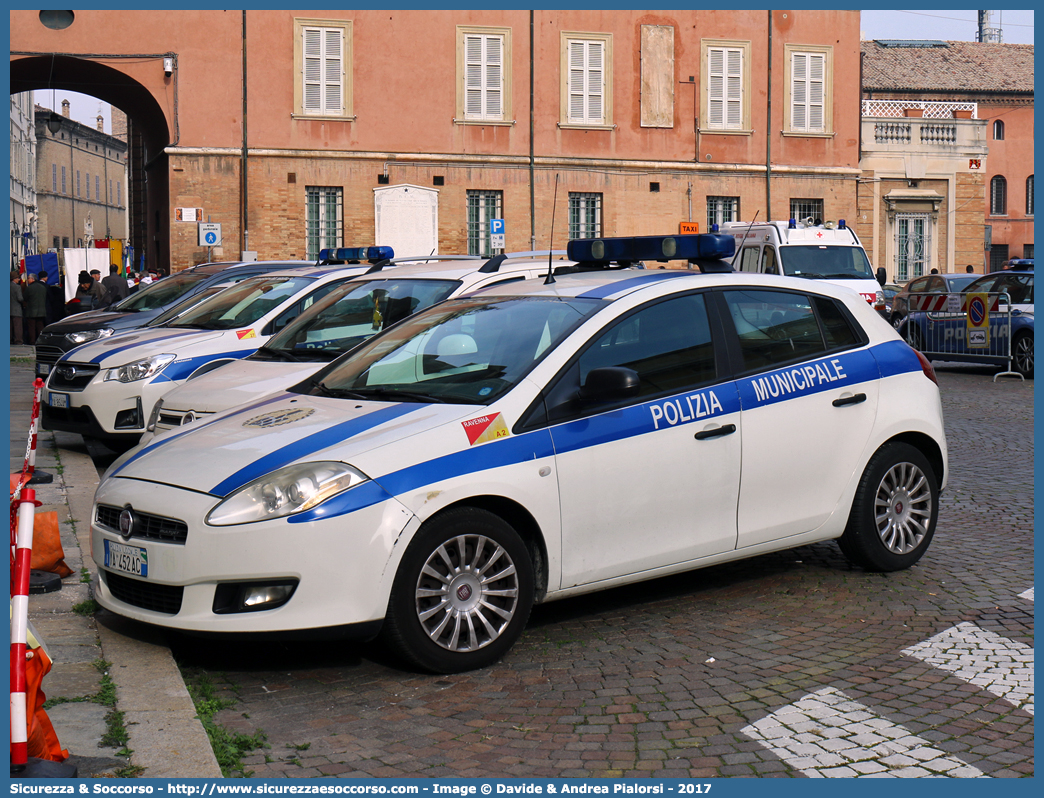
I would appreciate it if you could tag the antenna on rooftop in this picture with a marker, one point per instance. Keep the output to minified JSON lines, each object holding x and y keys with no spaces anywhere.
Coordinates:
{"x":987,"y":33}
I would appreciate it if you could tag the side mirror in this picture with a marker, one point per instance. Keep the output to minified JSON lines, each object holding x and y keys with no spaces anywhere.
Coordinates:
{"x":610,"y":384}
{"x":882,"y":276}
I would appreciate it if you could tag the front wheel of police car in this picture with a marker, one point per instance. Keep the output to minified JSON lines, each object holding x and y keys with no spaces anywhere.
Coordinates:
{"x":462,"y":594}
{"x":894,"y":512}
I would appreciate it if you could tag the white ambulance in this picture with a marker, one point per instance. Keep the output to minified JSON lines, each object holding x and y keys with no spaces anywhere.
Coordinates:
{"x":830,"y":252}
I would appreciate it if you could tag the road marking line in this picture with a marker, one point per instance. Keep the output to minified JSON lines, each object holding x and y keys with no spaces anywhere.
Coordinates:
{"x":829,"y":735}
{"x":1028,"y":595}
{"x":978,"y":656}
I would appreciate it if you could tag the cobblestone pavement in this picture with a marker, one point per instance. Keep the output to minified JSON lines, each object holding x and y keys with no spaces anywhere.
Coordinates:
{"x":792,"y":664}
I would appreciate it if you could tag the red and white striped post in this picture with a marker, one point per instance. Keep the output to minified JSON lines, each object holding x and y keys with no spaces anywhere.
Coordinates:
{"x":19,"y":628}
{"x":29,"y":464}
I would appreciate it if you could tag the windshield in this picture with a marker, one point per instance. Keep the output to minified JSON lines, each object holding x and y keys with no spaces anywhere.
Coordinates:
{"x":180,"y":307}
{"x":242,"y":304}
{"x":160,"y":293}
{"x":824,"y":262}
{"x":463,"y":351}
{"x":351,"y":314}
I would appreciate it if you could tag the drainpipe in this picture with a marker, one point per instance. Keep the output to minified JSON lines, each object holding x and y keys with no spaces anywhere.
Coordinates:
{"x":243,"y":162}
{"x":768,"y":129}
{"x":532,"y":189}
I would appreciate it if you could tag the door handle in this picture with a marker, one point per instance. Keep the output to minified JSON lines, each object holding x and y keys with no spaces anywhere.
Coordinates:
{"x":849,"y":400}
{"x":725,"y":429}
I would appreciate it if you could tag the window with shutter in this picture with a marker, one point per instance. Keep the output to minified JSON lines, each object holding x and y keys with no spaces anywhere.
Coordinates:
{"x":725,"y":88}
{"x":586,"y":82}
{"x":323,"y":63}
{"x":587,"y":79}
{"x":483,"y":75}
{"x":808,"y":86}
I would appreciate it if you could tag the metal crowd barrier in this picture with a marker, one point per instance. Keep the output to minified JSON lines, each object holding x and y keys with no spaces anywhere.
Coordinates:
{"x":944,"y":334}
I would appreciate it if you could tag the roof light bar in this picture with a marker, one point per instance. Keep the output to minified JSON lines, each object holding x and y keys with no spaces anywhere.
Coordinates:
{"x":356,"y":254}
{"x":658,"y":248}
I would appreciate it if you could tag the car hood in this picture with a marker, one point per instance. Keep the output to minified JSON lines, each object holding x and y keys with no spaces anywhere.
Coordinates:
{"x":126,"y":348}
{"x":236,"y":383}
{"x":221,"y":455}
{"x":99,"y":319}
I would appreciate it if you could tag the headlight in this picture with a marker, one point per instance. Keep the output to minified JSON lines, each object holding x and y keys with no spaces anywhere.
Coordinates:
{"x":89,"y":335}
{"x":284,"y":492}
{"x":139,"y":369}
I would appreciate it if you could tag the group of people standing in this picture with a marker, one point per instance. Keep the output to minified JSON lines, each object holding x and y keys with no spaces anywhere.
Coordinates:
{"x":35,"y":303}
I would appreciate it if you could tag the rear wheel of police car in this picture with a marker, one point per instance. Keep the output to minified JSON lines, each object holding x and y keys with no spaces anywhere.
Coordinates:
{"x":894,"y":512}
{"x":1022,"y":354}
{"x":462,"y":594}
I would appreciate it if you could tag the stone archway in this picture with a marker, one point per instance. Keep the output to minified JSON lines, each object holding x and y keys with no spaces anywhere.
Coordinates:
{"x":149,"y":132}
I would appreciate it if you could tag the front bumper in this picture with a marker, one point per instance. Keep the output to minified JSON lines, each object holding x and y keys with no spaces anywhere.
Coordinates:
{"x":343,"y":566}
{"x":114,"y":410}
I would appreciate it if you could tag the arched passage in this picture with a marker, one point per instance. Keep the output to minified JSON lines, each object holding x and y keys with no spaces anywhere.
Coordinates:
{"x":151,"y":128}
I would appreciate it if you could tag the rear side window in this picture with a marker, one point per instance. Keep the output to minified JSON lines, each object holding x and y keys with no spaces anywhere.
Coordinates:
{"x":775,"y":327}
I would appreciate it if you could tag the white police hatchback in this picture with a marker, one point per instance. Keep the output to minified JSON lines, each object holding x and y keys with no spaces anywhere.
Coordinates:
{"x":528,"y":443}
{"x":106,"y":389}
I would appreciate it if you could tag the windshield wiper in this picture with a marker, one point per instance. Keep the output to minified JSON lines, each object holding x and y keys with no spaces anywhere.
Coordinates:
{"x":275,"y":354}
{"x":390,"y":394}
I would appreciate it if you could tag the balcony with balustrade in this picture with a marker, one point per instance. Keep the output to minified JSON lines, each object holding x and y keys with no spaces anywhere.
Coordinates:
{"x":920,"y":126}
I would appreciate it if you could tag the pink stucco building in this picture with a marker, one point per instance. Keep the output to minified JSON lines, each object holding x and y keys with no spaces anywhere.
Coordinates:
{"x":301,"y":129}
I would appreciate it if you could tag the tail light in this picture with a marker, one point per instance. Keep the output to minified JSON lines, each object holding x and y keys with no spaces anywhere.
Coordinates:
{"x":926,"y":367}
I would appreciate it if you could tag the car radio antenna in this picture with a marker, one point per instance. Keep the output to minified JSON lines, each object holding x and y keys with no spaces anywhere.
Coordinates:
{"x":550,"y":275}
{"x":749,"y":228}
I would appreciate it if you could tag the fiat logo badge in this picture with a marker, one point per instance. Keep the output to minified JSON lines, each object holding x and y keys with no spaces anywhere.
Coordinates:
{"x":464,"y":592}
{"x":126,"y":523}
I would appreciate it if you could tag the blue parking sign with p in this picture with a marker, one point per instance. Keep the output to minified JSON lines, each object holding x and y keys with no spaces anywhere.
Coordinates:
{"x":496,"y":227}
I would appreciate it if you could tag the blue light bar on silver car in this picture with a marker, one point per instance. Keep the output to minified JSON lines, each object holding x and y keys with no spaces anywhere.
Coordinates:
{"x":659,"y":248}
{"x":357,"y":254}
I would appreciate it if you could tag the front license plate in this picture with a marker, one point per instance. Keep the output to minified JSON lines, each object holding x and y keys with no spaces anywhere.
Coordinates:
{"x":129,"y":559}
{"x":42,"y":369}
{"x":58,"y":399}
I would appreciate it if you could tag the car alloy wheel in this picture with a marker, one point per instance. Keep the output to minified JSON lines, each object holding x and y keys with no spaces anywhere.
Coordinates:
{"x":894,"y":511}
{"x":467,"y":593}
{"x":904,"y":508}
{"x":1022,"y":354}
{"x":462,"y":592}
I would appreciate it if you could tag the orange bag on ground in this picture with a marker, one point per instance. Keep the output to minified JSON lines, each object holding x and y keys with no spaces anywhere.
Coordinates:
{"x":42,"y":741}
{"x":48,"y":554}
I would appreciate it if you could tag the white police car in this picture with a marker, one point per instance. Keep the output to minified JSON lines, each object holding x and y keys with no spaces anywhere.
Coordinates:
{"x":342,"y":320}
{"x":106,"y":388}
{"x":528,"y":443}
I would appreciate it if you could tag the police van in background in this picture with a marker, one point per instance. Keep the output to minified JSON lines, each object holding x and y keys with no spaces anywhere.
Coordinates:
{"x":830,"y":252}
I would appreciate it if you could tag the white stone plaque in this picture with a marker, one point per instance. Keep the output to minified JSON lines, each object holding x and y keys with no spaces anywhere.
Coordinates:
{"x":407,"y":219}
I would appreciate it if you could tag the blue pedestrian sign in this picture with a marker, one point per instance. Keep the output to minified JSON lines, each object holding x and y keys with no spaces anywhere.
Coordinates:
{"x":209,"y":234}
{"x":496,"y":233}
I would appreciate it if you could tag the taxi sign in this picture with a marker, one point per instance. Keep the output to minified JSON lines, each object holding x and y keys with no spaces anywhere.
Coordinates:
{"x":689,"y":228}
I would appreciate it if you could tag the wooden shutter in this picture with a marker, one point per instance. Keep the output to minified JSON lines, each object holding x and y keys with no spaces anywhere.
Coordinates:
{"x":725,"y":88}
{"x":807,"y":92}
{"x":323,"y":70}
{"x":586,"y":81}
{"x":483,"y":76}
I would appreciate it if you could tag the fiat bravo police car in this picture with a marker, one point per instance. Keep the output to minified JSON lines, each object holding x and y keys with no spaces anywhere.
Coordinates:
{"x":527,"y":443}
{"x":346,"y":317}
{"x":106,"y":389}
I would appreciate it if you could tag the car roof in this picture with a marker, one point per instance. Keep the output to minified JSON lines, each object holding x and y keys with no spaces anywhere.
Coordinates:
{"x":615,"y":284}
{"x":459,"y":269}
